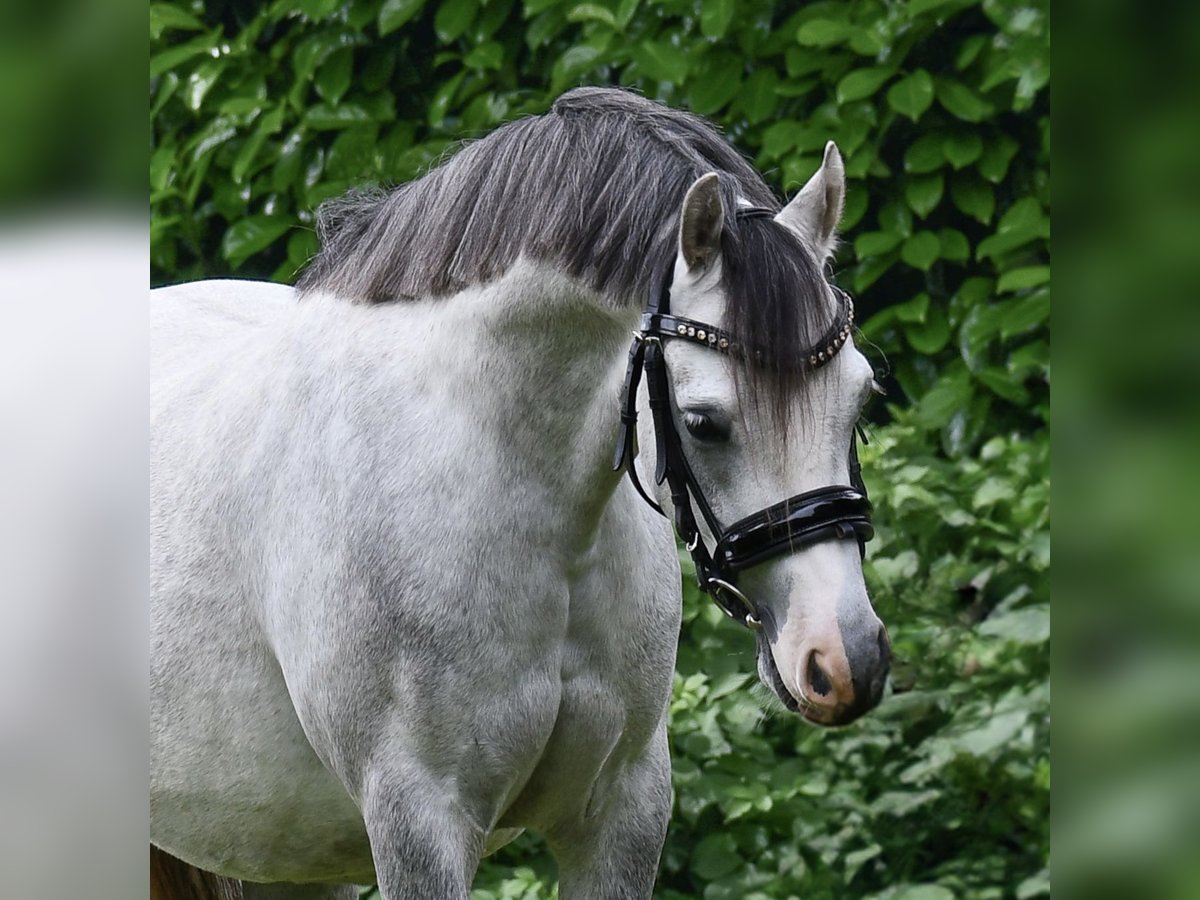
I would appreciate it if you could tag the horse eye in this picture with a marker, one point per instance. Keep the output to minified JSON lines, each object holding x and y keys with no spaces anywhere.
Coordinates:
{"x":705,"y":428}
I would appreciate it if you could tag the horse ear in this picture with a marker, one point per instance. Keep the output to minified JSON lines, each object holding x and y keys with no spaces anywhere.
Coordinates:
{"x":700,"y":223}
{"x":817,"y":209}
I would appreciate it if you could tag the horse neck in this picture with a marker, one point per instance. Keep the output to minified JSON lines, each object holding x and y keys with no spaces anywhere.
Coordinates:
{"x":525,"y":372}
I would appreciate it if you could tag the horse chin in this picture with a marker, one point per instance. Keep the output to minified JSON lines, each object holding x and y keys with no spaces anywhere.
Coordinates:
{"x":768,"y":673}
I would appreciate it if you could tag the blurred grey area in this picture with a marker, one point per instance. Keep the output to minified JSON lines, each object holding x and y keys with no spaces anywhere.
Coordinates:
{"x":1127,"y":458}
{"x":73,"y":271}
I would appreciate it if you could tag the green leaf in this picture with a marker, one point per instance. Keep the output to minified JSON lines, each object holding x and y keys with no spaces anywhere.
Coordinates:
{"x":874,"y":243}
{"x":969,"y":50}
{"x":176,"y":56}
{"x":963,"y":149}
{"x":167,"y":86}
{"x":715,"y":855}
{"x":572,"y":63}
{"x":453,"y":18}
{"x":949,"y":395}
{"x":760,"y":95}
{"x":443,"y":97}
{"x":925,"y":155}
{"x":924,"y":892}
{"x":1023,"y":314}
{"x":921,"y":250}
{"x":1003,"y":384}
{"x":250,"y":236}
{"x":871,"y":270}
{"x":917,"y":7}
{"x":924,"y":193}
{"x":989,"y":737}
{"x":862,"y":83}
{"x":715,"y":16}
{"x":895,"y":216}
{"x":333,"y":78}
{"x":1035,"y":885}
{"x":167,"y":16}
{"x":316,"y":10}
{"x":488,"y":55}
{"x":395,"y":14}
{"x":323,"y":117}
{"x":162,"y":166}
{"x":200,"y":81}
{"x":974,"y":197}
{"x":912,"y":95}
{"x":788,"y":136}
{"x":997,"y":154}
{"x":1023,"y":222}
{"x":855,"y":859}
{"x":543,"y":28}
{"x":661,"y":61}
{"x":913,"y":310}
{"x":955,"y":246}
{"x":824,"y":32}
{"x":309,"y":54}
{"x":1021,"y":279}
{"x":873,"y":40}
{"x":961,"y":101}
{"x":625,"y":12}
{"x":930,"y":336}
{"x":268,"y":125}
{"x":591,"y":12}
{"x":715,"y":83}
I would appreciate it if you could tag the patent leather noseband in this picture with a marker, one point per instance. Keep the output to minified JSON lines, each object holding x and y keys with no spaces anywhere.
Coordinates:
{"x":837,"y":512}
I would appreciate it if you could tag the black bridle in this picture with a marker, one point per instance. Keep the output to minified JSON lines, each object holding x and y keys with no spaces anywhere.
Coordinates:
{"x":837,"y":512}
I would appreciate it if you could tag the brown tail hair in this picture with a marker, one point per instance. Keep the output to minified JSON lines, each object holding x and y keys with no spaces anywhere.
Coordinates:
{"x":173,"y":879}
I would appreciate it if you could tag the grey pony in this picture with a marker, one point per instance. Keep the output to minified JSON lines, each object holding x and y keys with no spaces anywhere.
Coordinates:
{"x":401,"y":606}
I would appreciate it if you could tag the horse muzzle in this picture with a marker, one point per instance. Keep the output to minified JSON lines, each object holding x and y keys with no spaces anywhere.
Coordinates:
{"x":833,"y":678}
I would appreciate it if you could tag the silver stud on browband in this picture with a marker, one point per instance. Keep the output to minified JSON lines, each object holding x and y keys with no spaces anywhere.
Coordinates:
{"x":682,"y":329}
{"x":724,"y":345}
{"x":700,"y":334}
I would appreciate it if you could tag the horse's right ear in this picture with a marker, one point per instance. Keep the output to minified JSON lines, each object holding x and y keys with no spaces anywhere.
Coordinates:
{"x":700,"y":223}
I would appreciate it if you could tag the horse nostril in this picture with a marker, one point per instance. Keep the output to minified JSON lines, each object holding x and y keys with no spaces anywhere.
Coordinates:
{"x":817,"y":679}
{"x":885,"y":646}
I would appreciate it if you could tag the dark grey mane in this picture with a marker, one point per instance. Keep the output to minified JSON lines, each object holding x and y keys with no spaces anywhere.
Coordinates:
{"x":594,"y":187}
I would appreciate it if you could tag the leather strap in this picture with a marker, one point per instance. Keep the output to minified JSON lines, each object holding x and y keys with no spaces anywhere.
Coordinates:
{"x":828,"y":513}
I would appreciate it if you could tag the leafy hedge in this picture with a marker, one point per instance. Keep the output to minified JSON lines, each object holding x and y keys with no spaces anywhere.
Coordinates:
{"x":941,"y":107}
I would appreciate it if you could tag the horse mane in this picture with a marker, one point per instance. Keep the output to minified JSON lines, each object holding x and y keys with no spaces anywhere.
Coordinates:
{"x":593,"y":187}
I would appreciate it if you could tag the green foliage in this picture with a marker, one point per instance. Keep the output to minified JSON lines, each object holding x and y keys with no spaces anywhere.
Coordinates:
{"x":261,"y":111}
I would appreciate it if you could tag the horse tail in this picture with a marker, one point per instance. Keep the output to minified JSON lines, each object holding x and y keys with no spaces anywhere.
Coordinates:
{"x":173,"y":879}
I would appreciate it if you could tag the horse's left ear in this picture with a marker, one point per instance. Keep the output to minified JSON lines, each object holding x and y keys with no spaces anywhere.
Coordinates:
{"x":700,"y":223}
{"x":817,"y":209}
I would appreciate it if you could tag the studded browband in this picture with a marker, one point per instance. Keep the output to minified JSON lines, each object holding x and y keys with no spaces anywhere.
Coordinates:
{"x":717,"y":339}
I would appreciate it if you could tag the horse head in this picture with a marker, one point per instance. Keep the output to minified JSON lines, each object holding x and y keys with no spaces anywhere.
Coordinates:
{"x":775,"y":420}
